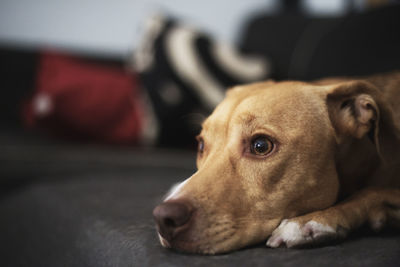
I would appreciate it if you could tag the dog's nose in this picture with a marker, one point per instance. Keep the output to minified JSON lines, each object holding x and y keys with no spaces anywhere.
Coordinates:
{"x":170,"y":216}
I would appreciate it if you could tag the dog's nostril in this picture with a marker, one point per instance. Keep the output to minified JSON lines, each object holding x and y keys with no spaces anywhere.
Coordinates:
{"x":171,"y":215}
{"x":169,"y":222}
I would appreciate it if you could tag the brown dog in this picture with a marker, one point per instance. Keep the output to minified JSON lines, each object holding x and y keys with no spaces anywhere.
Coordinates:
{"x":297,"y":162}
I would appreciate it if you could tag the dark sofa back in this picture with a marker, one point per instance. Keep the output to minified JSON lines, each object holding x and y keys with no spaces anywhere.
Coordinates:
{"x":308,"y":48}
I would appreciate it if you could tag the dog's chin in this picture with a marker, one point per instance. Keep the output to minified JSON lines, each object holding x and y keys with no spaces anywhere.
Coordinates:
{"x":218,"y":238}
{"x":222,"y":244}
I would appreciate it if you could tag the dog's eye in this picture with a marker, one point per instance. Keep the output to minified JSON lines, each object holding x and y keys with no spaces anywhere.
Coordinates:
{"x":261,"y":145}
{"x":200,"y":146}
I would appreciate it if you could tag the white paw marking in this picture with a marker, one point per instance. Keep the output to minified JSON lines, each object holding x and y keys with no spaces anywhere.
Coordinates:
{"x":292,"y":234}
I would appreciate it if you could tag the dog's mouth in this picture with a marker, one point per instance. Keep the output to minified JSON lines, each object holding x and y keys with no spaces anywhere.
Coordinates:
{"x":220,"y":242}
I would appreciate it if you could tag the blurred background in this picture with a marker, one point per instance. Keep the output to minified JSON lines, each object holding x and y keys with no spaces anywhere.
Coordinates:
{"x":148,"y":72}
{"x":114,"y":29}
{"x":101,"y":100}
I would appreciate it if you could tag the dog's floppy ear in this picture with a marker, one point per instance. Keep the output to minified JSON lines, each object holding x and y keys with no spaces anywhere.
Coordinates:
{"x":353,"y":109}
{"x":357,"y":109}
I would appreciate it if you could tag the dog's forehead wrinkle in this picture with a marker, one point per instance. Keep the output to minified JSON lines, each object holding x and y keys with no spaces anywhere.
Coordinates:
{"x":246,"y":118}
{"x":267,"y":105}
{"x":220,"y":121}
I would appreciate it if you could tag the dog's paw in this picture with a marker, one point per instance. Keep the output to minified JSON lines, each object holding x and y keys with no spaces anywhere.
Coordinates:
{"x":291,"y":233}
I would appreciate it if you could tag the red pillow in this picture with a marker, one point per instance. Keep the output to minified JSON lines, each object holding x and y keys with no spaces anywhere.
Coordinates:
{"x":84,"y":100}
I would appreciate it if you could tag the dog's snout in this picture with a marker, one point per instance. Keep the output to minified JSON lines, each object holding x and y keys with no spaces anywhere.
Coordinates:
{"x":171,"y":217}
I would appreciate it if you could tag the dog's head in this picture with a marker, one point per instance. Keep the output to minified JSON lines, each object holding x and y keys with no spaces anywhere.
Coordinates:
{"x":266,"y":153}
